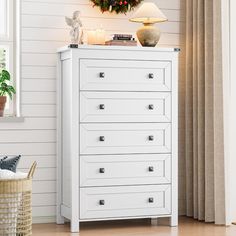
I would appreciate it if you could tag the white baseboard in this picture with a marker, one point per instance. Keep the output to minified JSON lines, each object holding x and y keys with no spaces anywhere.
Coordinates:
{"x":44,"y":220}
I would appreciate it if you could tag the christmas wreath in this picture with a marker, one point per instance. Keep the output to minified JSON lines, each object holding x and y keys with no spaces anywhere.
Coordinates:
{"x":118,"y":6}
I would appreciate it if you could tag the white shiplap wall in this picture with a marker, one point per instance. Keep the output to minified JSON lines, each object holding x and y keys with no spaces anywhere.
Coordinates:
{"x":43,"y":30}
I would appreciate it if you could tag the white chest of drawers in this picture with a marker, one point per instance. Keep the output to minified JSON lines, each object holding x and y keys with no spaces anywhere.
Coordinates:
{"x":117,"y":134}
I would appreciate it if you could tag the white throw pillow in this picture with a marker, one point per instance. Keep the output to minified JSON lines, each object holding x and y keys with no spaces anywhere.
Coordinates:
{"x":7,"y":174}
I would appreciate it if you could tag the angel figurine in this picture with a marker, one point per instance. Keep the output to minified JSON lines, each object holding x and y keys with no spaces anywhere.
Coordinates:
{"x":75,"y":24}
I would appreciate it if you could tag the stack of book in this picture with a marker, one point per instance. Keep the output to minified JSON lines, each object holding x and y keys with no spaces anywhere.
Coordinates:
{"x":122,"y":40}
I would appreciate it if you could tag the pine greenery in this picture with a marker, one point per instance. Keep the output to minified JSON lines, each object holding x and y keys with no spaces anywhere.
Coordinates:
{"x":118,"y":6}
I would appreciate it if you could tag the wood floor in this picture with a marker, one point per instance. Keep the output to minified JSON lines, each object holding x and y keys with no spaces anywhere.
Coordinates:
{"x":187,"y":227}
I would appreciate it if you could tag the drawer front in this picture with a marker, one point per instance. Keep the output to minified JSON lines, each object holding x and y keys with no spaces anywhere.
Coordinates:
{"x":128,"y":201}
{"x":124,"y":75}
{"x":125,"y":138}
{"x":125,"y":170}
{"x":125,"y":107}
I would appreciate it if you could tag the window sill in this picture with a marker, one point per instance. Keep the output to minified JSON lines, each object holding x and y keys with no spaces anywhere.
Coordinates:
{"x":12,"y":119}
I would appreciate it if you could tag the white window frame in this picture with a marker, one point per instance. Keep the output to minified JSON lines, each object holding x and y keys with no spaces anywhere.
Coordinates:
{"x":11,"y":42}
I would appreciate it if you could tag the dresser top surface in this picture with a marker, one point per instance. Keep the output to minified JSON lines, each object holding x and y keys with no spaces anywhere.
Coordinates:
{"x":119,"y":48}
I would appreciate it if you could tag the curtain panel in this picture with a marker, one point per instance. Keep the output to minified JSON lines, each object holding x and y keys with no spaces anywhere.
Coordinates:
{"x":203,"y":159}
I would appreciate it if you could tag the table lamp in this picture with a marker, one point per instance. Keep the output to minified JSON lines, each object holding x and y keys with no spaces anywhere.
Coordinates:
{"x":148,"y":14}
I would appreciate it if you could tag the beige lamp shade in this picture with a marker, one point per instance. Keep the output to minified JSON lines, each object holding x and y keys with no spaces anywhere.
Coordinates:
{"x":148,"y":12}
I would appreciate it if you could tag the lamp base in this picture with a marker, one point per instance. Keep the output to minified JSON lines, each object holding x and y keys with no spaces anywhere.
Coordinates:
{"x":148,"y":35}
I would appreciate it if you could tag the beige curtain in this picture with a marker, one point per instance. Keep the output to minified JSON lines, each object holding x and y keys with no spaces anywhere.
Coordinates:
{"x":204,"y":144}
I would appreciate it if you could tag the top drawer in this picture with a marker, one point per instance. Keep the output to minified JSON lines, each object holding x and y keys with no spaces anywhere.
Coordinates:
{"x":125,"y":75}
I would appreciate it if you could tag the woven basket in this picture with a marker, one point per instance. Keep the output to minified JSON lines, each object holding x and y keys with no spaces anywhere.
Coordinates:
{"x":15,"y":206}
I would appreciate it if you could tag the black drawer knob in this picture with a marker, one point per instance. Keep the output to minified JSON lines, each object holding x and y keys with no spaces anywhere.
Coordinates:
{"x":101,"y":106}
{"x":102,"y":75}
{"x":102,"y":202}
{"x":102,"y":170}
{"x":151,"y":138}
{"x":151,"y":107}
{"x":151,"y":169}
{"x":102,"y":138}
{"x":151,"y":76}
{"x":151,"y":200}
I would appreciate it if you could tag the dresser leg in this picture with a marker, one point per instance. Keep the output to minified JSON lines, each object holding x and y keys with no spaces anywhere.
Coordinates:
{"x":174,"y":220}
{"x":74,"y":226}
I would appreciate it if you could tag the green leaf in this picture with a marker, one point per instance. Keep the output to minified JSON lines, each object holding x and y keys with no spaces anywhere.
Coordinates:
{"x":5,"y":88}
{"x":6,"y":75}
{"x":12,"y":89}
{"x":9,"y":94}
{"x":4,"y":85}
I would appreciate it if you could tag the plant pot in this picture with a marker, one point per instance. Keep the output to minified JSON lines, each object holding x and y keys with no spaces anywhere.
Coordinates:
{"x":3,"y":100}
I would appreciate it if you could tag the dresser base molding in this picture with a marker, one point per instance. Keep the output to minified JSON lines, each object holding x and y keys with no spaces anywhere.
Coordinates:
{"x":65,"y":212}
{"x":128,"y":218}
{"x":117,"y":134}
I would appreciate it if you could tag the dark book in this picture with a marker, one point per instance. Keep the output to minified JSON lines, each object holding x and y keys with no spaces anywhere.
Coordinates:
{"x":121,"y":38}
{"x":123,"y":35}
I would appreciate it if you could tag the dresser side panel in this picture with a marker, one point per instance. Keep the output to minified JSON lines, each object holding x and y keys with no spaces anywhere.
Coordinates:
{"x":66,"y":132}
{"x":174,"y":217}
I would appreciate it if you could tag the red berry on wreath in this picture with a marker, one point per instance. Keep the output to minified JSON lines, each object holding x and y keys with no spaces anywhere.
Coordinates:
{"x":120,"y":3}
{"x":125,"y":3}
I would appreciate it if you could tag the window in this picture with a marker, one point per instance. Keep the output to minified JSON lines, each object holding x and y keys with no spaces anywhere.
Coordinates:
{"x":3,"y":17}
{"x":8,"y":45}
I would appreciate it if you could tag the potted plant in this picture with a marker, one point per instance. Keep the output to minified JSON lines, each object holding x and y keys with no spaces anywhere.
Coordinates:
{"x":5,"y":89}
